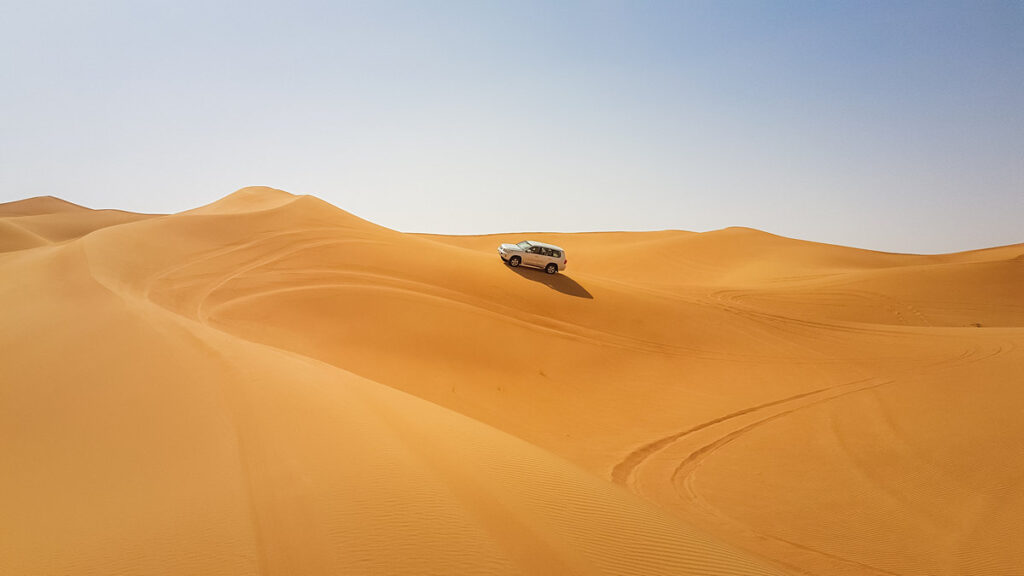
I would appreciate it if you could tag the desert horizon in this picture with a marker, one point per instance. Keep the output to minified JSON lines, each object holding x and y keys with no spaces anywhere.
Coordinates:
{"x":268,"y":384}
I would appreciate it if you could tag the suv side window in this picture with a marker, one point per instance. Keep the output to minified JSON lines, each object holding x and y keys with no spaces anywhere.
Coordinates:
{"x":535,"y":249}
{"x":556,"y":254}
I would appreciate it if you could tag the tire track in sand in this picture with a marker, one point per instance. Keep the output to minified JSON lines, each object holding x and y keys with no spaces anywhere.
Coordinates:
{"x":663,"y":470}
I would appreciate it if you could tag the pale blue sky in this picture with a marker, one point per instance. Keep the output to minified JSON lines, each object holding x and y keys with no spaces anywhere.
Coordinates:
{"x":895,"y":126}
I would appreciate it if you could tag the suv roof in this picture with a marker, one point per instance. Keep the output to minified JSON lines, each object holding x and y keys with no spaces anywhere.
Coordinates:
{"x":543,"y":245}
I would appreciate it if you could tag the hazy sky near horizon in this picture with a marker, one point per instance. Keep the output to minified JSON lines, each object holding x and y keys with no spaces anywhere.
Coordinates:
{"x":895,"y":126}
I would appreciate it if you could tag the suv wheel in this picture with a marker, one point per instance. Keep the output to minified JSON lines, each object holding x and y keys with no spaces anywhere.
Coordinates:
{"x":514,"y":261}
{"x":551,"y":268}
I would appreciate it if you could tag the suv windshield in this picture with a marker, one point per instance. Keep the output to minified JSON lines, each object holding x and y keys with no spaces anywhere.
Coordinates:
{"x":525,"y":245}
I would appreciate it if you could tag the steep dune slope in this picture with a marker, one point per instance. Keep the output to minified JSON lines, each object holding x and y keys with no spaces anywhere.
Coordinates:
{"x":273,"y":385}
{"x":156,"y":444}
{"x":549,"y":359}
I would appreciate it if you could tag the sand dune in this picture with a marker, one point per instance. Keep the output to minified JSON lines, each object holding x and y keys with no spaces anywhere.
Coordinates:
{"x":47,"y":220}
{"x":271,"y":385}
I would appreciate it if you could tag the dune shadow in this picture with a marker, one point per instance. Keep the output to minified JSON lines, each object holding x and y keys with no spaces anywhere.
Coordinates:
{"x":559,"y":282}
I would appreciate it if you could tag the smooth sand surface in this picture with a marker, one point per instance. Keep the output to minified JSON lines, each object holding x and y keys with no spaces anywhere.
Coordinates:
{"x":270,"y":385}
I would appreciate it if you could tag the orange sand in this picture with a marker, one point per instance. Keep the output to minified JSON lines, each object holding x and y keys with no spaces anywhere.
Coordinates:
{"x":270,"y":385}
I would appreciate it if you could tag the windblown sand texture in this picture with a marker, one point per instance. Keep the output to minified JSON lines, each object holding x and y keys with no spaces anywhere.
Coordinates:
{"x":270,"y":385}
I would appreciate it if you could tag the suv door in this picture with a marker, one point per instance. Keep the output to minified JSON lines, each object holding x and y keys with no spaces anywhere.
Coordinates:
{"x":547,"y":256}
{"x":533,"y":256}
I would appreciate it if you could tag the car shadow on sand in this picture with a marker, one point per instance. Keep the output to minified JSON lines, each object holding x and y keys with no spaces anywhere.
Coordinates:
{"x":559,"y":282}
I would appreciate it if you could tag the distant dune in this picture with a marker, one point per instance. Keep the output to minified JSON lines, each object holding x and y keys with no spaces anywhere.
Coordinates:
{"x":271,"y":385}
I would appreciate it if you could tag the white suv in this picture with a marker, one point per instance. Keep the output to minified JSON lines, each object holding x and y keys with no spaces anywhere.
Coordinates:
{"x":536,"y":254}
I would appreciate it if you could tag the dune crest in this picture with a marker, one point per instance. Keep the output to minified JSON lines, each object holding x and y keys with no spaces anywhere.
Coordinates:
{"x":45,"y":220}
{"x":248,"y":199}
{"x":38,"y":205}
{"x":269,"y":384}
